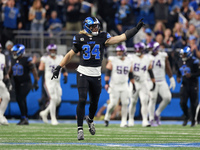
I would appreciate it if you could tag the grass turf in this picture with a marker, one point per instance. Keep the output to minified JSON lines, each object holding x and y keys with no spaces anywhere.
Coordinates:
{"x":64,"y":136}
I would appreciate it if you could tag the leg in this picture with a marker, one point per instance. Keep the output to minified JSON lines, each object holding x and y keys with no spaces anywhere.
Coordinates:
{"x":152,"y":103}
{"x":5,"y":97}
{"x":183,"y":103}
{"x":193,"y":103}
{"x":114,"y":98}
{"x":21,"y":93}
{"x":124,"y":110}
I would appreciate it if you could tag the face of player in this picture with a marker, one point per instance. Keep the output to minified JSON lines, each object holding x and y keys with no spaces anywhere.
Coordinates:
{"x":94,"y":28}
{"x":14,"y":54}
{"x":184,"y":57}
{"x":52,"y":52}
{"x":120,"y":54}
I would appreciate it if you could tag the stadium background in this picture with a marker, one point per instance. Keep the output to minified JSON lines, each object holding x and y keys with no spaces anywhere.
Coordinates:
{"x":63,"y":40}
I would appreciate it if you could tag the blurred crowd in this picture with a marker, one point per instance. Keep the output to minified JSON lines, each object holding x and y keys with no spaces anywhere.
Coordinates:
{"x":172,"y":23}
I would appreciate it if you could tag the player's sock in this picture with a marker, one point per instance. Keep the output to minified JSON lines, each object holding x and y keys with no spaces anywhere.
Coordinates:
{"x":151,"y":109}
{"x":124,"y":115}
{"x":108,"y":112}
{"x":4,"y":105}
{"x":162,"y":106}
{"x":53,"y":110}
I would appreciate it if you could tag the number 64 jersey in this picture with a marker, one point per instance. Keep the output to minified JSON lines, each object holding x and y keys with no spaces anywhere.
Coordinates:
{"x":140,"y":67}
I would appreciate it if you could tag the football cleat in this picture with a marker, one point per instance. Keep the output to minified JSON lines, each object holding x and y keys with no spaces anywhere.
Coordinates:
{"x":145,"y":124}
{"x":23,"y":122}
{"x":90,"y":125}
{"x":3,"y":121}
{"x":157,"y":119}
{"x":153,"y":124}
{"x":80,"y":135}
{"x":130,"y":122}
{"x":43,"y":115}
{"x":106,"y":123}
{"x":54,"y":122}
{"x":185,"y":122}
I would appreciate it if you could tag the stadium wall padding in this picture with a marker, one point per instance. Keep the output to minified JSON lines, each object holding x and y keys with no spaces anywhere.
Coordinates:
{"x":70,"y":99}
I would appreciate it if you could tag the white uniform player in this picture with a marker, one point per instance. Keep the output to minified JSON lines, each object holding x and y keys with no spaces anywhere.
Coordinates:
{"x":160,"y":67}
{"x":141,"y":66}
{"x":53,"y":88}
{"x":119,"y":68}
{"x":4,"y":94}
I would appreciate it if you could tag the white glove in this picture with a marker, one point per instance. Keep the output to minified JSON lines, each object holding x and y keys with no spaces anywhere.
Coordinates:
{"x":172,"y":83}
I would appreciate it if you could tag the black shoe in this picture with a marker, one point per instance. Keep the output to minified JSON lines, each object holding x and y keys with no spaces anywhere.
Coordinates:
{"x":185,"y":122}
{"x":23,"y":122}
{"x":106,"y":123}
{"x":90,"y":125}
{"x":193,"y":123}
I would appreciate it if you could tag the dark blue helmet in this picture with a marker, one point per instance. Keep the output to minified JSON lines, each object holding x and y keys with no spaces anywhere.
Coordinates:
{"x":139,"y":48}
{"x":185,"y":53}
{"x":91,"y":22}
{"x":18,"y":50}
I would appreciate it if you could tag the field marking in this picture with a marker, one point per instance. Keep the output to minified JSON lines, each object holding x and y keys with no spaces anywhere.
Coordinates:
{"x":115,"y":144}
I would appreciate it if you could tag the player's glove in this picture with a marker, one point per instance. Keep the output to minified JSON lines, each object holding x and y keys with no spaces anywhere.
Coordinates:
{"x":154,"y":85}
{"x":35,"y":86}
{"x":140,"y":24}
{"x":65,"y":79}
{"x":56,"y":72}
{"x":172,"y":83}
{"x":134,"y":88}
{"x":8,"y":84}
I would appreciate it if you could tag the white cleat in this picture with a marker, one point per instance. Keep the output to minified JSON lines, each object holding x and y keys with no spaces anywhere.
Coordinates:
{"x":3,"y":121}
{"x":145,"y":124}
{"x":44,"y":117}
{"x":131,"y":123}
{"x":54,"y":123}
{"x":123,"y":125}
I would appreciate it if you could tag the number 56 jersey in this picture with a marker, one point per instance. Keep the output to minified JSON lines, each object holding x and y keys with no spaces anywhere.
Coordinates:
{"x":50,"y":64}
{"x":140,"y":67}
{"x":120,"y":72}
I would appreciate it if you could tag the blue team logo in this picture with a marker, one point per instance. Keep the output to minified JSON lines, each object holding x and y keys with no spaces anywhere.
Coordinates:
{"x":108,"y":36}
{"x":184,"y":70}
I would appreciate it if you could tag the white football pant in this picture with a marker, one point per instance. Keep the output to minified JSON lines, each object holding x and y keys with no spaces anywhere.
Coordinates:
{"x":142,"y":91}
{"x":5,"y":96}
{"x":54,"y":91}
{"x":114,"y":96}
{"x":161,"y":88}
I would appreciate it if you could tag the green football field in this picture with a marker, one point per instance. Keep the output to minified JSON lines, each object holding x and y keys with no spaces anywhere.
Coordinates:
{"x":64,"y":136}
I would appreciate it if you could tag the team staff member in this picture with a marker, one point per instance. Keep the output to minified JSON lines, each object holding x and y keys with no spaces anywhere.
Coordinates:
{"x":189,"y":71}
{"x":90,"y":42}
{"x":21,"y":66}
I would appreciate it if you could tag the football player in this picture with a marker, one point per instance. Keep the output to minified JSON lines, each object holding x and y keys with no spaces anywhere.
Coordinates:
{"x":118,"y":70}
{"x":21,"y":66}
{"x":189,"y":71}
{"x":160,"y":65}
{"x":54,"y":91}
{"x":4,"y":94}
{"x":141,"y":67}
{"x":91,"y":42}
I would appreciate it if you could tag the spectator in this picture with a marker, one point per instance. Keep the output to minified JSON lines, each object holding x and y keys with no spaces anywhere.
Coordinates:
{"x":196,"y":21}
{"x":168,"y":39}
{"x":8,"y":54}
{"x":173,"y":16}
{"x":37,"y":18}
{"x":140,"y":36}
{"x":12,"y":20}
{"x":186,"y":10}
{"x":149,"y":36}
{"x":159,"y":28}
{"x":194,"y":45}
{"x":123,"y":19}
{"x":192,"y":31}
{"x":55,"y":24}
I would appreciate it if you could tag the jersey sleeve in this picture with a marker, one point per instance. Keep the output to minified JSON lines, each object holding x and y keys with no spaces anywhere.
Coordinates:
{"x":43,"y":59}
{"x":29,"y":59}
{"x":164,"y":54}
{"x":76,"y":44}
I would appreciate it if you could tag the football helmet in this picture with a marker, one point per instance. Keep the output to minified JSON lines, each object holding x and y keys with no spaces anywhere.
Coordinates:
{"x":90,"y":24}
{"x":185,"y":53}
{"x":18,"y":50}
{"x":139,"y":48}
{"x":121,"y":48}
{"x":52,"y":49}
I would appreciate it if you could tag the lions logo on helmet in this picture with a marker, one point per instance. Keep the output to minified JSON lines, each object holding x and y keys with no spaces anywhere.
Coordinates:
{"x":91,"y":25}
{"x":185,"y":53}
{"x":18,"y":50}
{"x":52,"y":50}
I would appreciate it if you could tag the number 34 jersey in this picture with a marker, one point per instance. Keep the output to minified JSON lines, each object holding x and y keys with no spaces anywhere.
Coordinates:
{"x":50,"y":64}
{"x":140,"y":67}
{"x":120,"y":71}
